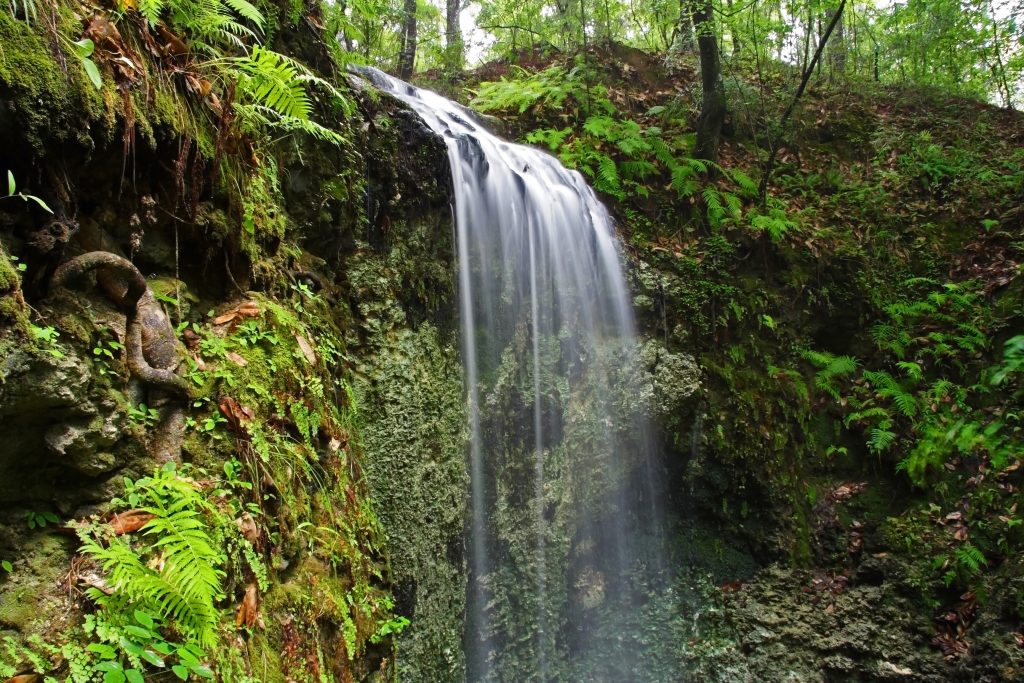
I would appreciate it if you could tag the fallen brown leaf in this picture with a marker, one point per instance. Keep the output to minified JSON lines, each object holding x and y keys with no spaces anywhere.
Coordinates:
{"x":236,"y":413}
{"x":248,"y":610}
{"x":24,"y":678}
{"x":127,"y":522}
{"x":236,"y":359}
{"x":246,"y":309}
{"x":307,"y":349}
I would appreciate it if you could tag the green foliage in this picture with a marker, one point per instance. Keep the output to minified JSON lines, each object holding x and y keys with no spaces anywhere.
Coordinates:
{"x":621,"y":157}
{"x":186,"y":586}
{"x":273,"y":94}
{"x":12,"y":188}
{"x":144,"y":415}
{"x":124,"y":648}
{"x":47,"y":337}
{"x":38,"y":520}
{"x":830,"y":369}
{"x":209,"y":22}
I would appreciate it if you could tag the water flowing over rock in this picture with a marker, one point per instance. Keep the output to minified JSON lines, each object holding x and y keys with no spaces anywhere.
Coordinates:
{"x":564,"y":536}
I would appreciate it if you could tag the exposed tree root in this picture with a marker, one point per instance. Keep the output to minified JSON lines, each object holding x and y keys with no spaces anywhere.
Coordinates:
{"x":152,"y":349}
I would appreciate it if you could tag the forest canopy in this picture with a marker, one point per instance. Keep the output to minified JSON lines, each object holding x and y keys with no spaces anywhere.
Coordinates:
{"x":969,"y":47}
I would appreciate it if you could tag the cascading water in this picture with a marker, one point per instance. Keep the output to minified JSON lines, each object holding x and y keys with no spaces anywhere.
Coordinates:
{"x":564,"y":535}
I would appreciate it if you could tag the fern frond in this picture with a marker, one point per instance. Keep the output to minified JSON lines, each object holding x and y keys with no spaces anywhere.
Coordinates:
{"x":608,"y":173}
{"x":745,"y":182}
{"x":970,"y":559}
{"x":698,"y":165}
{"x":637,"y":169}
{"x":906,"y":403}
{"x":683,"y":180}
{"x":271,"y":80}
{"x":600,"y":126}
{"x":257,"y":116}
{"x":247,"y":11}
{"x":151,"y":10}
{"x":874,"y":412}
{"x":713,"y":201}
{"x":880,"y":439}
{"x":911,"y":368}
{"x":662,"y":152}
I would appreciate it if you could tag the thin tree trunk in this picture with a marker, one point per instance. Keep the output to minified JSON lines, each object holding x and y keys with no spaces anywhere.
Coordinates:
{"x":770,"y":164}
{"x":837,"y":46}
{"x":454,"y":49}
{"x":407,"y":54}
{"x":684,"y":38}
{"x":712,"y":108}
{"x":1001,"y":73}
{"x":737,"y":43}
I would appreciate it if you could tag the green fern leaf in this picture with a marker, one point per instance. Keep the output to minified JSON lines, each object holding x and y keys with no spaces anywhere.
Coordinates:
{"x":608,"y":174}
{"x":247,"y":11}
{"x":745,"y":182}
{"x":880,"y":439}
{"x":151,"y":10}
{"x":271,"y":80}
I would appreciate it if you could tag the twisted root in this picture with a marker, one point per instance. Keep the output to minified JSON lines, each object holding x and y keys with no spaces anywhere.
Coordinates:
{"x":151,"y":347}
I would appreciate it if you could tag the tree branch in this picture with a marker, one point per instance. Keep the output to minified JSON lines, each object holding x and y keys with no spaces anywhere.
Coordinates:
{"x":808,"y":72}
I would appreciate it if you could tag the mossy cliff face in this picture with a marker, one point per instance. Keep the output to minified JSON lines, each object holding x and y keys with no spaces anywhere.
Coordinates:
{"x":408,"y":381}
{"x":314,"y":309}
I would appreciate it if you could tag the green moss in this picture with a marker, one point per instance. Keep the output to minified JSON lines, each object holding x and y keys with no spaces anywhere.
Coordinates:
{"x":13,"y":311}
{"x":47,"y":102}
{"x":409,"y":386}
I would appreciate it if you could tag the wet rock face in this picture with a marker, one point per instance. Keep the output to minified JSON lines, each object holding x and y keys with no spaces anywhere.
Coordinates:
{"x":786,"y":626}
{"x":58,"y":427}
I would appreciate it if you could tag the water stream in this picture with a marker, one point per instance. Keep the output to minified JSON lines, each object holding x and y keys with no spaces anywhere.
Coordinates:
{"x":564,"y":536}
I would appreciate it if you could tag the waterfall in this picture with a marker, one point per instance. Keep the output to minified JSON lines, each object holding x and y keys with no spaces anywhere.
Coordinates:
{"x":564,"y":539}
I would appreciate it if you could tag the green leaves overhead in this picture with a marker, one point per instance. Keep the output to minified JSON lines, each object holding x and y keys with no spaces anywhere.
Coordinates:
{"x":273,"y":80}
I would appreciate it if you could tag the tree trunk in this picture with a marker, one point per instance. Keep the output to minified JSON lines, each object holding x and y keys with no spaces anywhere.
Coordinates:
{"x":407,"y":54}
{"x":808,"y":72}
{"x":684,"y":39}
{"x":454,"y":49}
{"x":737,"y":42}
{"x":712,"y":108}
{"x":837,"y":45}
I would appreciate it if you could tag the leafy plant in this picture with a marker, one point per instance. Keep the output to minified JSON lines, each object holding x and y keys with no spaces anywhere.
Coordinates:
{"x":107,"y":350}
{"x":38,"y":520}
{"x":186,"y":585}
{"x":47,"y":335}
{"x":12,"y":187}
{"x":144,"y":415}
{"x":84,"y":49}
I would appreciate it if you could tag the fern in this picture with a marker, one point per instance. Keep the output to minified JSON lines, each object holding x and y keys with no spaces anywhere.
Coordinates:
{"x":831,"y":368}
{"x":257,"y":117}
{"x":713,"y":202}
{"x":912,"y":369}
{"x":607,"y":178}
{"x":683,"y":180}
{"x":151,"y":10}
{"x":247,"y":11}
{"x":178,"y":574}
{"x":552,"y":138}
{"x":970,"y":560}
{"x":745,"y":182}
{"x":662,"y":152}
{"x":273,"y":81}
{"x":890,"y":388}
{"x":880,"y":438}
{"x":866,"y":415}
